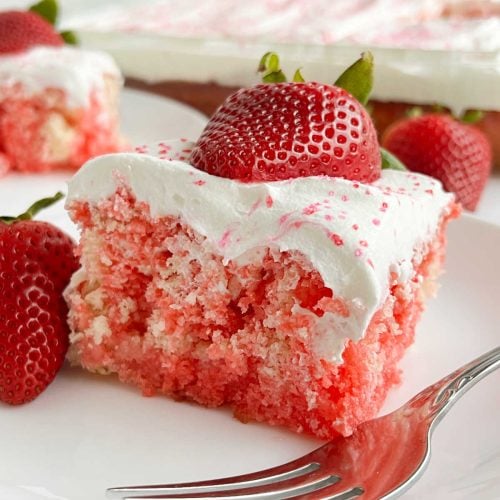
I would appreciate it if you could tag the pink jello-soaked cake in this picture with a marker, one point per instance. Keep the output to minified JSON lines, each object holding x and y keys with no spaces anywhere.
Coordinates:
{"x":291,"y":301}
{"x":58,"y":108}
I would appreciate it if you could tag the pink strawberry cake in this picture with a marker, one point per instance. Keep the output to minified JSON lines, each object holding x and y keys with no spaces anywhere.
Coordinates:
{"x":292,"y":301}
{"x":58,"y":108}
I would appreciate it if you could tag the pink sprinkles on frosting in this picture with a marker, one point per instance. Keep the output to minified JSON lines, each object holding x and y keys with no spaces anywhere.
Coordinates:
{"x":336,"y":239}
{"x":224,"y":241}
{"x":311,"y":209}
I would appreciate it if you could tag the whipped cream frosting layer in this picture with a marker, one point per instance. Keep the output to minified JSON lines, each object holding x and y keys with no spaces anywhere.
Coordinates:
{"x":354,"y":234}
{"x":76,"y":71}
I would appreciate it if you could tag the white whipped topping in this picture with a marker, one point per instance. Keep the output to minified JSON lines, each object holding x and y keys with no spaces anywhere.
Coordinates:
{"x":76,"y":71}
{"x":353,"y":234}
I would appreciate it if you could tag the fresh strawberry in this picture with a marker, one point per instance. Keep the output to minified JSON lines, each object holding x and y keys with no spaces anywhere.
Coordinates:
{"x":36,"y":262}
{"x":20,"y":31}
{"x":283,"y":130}
{"x":457,"y":154}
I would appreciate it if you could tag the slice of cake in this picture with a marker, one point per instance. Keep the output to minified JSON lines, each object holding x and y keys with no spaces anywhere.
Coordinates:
{"x":58,"y":104}
{"x":292,"y":301}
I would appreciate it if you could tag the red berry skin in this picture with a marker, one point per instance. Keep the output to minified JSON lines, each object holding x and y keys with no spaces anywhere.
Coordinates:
{"x":280,"y":131}
{"x":457,"y":154}
{"x":36,"y":263}
{"x":20,"y":31}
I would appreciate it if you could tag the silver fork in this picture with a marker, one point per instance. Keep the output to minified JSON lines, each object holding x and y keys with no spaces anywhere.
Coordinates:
{"x":382,"y":459}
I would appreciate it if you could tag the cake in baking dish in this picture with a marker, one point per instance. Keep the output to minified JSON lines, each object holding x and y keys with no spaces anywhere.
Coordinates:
{"x":58,"y":103}
{"x":439,"y":52}
{"x":291,"y":301}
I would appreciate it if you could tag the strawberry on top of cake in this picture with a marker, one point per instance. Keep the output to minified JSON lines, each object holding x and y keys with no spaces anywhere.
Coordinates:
{"x":273,"y":266}
{"x":58,"y":103}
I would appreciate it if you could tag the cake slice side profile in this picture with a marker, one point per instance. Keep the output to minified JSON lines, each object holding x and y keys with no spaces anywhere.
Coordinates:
{"x":291,"y":301}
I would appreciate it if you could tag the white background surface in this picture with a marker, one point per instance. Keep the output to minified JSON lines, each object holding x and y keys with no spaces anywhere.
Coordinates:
{"x":88,"y":432}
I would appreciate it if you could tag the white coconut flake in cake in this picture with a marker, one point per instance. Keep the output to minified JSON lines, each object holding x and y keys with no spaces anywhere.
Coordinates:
{"x":354,"y":234}
{"x":76,"y":71}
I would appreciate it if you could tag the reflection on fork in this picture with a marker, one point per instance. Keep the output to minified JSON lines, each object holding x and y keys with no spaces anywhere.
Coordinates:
{"x":382,"y":459}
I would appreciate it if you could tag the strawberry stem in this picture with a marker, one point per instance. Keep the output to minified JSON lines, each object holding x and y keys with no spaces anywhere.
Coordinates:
{"x":297,"y":76}
{"x":472,"y":116}
{"x":69,"y":37}
{"x":270,"y":68}
{"x":414,"y":112}
{"x":389,"y":161}
{"x":48,"y":9}
{"x":33,"y":209}
{"x":357,"y":79}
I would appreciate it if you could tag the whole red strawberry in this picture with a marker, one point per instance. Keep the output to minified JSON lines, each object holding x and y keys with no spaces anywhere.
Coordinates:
{"x":36,"y":263}
{"x":457,"y":154}
{"x":20,"y":31}
{"x":291,"y":129}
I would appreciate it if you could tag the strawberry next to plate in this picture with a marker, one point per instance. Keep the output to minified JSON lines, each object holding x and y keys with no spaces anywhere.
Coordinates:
{"x":36,"y":263}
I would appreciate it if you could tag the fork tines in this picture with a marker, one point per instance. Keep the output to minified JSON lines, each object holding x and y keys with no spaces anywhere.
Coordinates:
{"x":292,"y":480}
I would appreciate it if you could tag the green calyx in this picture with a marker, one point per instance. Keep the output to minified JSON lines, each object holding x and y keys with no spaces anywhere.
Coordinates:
{"x":33,"y":209}
{"x":297,"y":76}
{"x":69,"y":37}
{"x":389,"y":161}
{"x":357,"y":79}
{"x":49,"y":10}
{"x":414,"y":112}
{"x":472,"y":116}
{"x":469,"y":116}
{"x":270,"y":68}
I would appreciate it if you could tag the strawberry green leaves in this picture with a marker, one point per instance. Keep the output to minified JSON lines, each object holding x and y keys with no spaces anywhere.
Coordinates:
{"x":297,"y":76}
{"x":69,"y":37}
{"x":49,"y":10}
{"x":389,"y":161}
{"x":472,"y":116}
{"x":270,"y":68}
{"x":357,"y":79}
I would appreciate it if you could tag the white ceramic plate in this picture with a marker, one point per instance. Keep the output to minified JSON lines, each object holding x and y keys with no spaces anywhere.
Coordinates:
{"x":87,"y":432}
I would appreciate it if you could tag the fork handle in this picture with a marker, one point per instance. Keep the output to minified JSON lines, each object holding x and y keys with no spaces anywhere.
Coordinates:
{"x":442,"y":395}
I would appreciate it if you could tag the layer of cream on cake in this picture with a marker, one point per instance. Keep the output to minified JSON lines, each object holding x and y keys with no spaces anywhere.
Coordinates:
{"x":77,"y":72}
{"x":355,"y":235}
